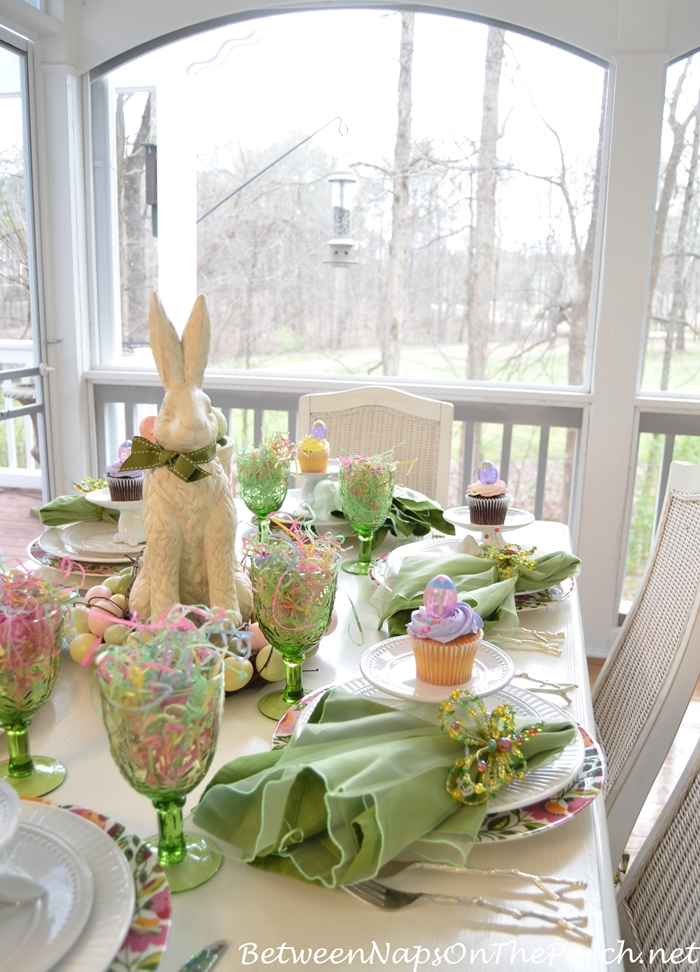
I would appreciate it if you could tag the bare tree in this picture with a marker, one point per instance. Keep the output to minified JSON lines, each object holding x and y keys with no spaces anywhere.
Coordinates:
{"x":14,"y":253}
{"x":668,"y":187}
{"x":674,"y":325}
{"x":138,"y":253}
{"x":391,"y":350}
{"x":485,"y":229}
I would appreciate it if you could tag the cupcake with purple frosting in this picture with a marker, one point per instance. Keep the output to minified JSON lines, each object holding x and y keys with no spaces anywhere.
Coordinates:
{"x":124,"y":486}
{"x":445,"y":635}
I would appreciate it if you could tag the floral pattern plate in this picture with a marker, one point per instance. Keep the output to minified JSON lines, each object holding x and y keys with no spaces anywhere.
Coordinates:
{"x":46,"y":559}
{"x":511,"y":825}
{"x":144,"y":946}
{"x":531,"y":600}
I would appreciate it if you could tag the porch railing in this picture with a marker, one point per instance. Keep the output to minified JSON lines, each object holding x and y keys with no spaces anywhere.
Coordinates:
{"x":121,"y":401}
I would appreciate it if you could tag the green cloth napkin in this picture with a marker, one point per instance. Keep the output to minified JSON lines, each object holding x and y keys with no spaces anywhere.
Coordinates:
{"x":362,"y":782}
{"x":477,"y":584}
{"x":73,"y":509}
{"x":411,"y":514}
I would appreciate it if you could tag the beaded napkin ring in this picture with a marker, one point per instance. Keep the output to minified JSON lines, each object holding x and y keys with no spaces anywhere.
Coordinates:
{"x":490,"y":745}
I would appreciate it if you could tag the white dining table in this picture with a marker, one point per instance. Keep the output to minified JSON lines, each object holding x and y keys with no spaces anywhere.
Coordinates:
{"x":272,"y":920}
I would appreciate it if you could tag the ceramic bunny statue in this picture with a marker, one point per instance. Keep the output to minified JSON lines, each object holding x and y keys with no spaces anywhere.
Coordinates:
{"x":190,"y":524}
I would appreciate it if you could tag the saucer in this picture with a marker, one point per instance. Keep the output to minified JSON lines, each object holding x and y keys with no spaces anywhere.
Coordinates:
{"x":391,"y":667}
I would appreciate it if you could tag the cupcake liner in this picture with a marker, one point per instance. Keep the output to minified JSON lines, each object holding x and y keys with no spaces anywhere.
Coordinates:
{"x":313,"y":462}
{"x":445,"y":664}
{"x":125,"y":489}
{"x":488,"y":510}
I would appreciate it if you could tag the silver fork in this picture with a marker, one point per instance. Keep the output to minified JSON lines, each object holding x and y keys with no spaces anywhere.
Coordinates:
{"x":540,"y":881}
{"x":390,"y":899}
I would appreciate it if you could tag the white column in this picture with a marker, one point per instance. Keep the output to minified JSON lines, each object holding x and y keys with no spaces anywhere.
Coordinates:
{"x":609,"y":464}
{"x":62,"y":244}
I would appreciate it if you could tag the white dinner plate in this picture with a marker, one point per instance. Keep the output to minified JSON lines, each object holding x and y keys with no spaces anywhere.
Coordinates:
{"x":113,"y":904}
{"x":97,"y":537}
{"x":391,"y":666}
{"x":459,"y":516}
{"x":548,"y":779}
{"x":51,"y":541}
{"x":37,"y":935}
{"x":9,"y":812}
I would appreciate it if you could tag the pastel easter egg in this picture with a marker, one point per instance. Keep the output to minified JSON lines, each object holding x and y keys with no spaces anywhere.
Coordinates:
{"x":487,"y":473}
{"x":146,"y":428}
{"x":318,"y":429}
{"x":440,"y":597}
{"x":96,"y":593}
{"x":221,"y":423}
{"x":102,"y":617}
{"x":124,"y":450}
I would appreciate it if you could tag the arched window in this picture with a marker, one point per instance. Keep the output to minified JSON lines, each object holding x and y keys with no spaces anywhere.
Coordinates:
{"x":472,"y":155}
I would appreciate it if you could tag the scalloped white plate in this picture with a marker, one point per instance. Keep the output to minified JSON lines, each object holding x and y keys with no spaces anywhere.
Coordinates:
{"x":110,"y":918}
{"x":391,"y":667}
{"x":550,"y":778}
{"x":37,"y":935}
{"x":9,"y":813}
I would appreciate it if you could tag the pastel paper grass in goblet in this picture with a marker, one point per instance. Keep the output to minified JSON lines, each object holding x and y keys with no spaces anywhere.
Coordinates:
{"x":263,"y":477}
{"x":294,"y":584}
{"x":31,"y":637}
{"x":366,"y":491}
{"x":162,"y":703}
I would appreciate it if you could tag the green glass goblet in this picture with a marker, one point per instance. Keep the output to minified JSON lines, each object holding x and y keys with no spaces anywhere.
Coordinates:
{"x":263,"y":480}
{"x":294,"y":584}
{"x":366,"y":491}
{"x":162,"y":713}
{"x":31,"y":637}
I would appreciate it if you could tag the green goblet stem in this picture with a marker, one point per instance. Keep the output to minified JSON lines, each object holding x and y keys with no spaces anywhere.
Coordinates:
{"x":365,"y":554}
{"x":172,"y":848}
{"x":293,"y":690}
{"x":20,"y":764}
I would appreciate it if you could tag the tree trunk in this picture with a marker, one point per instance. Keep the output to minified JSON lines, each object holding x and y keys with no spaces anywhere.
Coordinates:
{"x":391,"y":351}
{"x":485,"y":230}
{"x":678,"y":129}
{"x":136,"y":247}
{"x":675,"y":318}
{"x":579,"y":317}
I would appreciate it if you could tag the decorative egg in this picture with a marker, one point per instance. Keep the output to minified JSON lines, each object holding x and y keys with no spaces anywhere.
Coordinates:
{"x":440,"y":597}
{"x":96,"y":593}
{"x":146,"y":428}
{"x":487,"y":473}
{"x":318,"y":429}
{"x":124,"y":451}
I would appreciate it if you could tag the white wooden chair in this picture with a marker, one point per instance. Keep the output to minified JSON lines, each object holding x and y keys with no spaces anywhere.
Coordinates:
{"x":370,"y":421}
{"x":658,"y":902}
{"x":644,"y":688}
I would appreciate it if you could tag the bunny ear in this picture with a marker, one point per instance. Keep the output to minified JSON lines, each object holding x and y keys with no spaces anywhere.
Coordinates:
{"x":196,"y":339}
{"x":165,"y":344}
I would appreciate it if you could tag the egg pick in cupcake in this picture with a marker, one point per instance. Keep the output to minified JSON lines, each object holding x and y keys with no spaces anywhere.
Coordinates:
{"x":488,"y":497}
{"x":313,"y":450}
{"x":445,"y":635}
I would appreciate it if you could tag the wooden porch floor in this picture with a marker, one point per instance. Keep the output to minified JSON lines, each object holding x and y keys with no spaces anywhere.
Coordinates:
{"x":18,"y":528}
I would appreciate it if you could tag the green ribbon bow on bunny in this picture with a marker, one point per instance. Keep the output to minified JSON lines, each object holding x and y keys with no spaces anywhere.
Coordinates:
{"x":148,"y":455}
